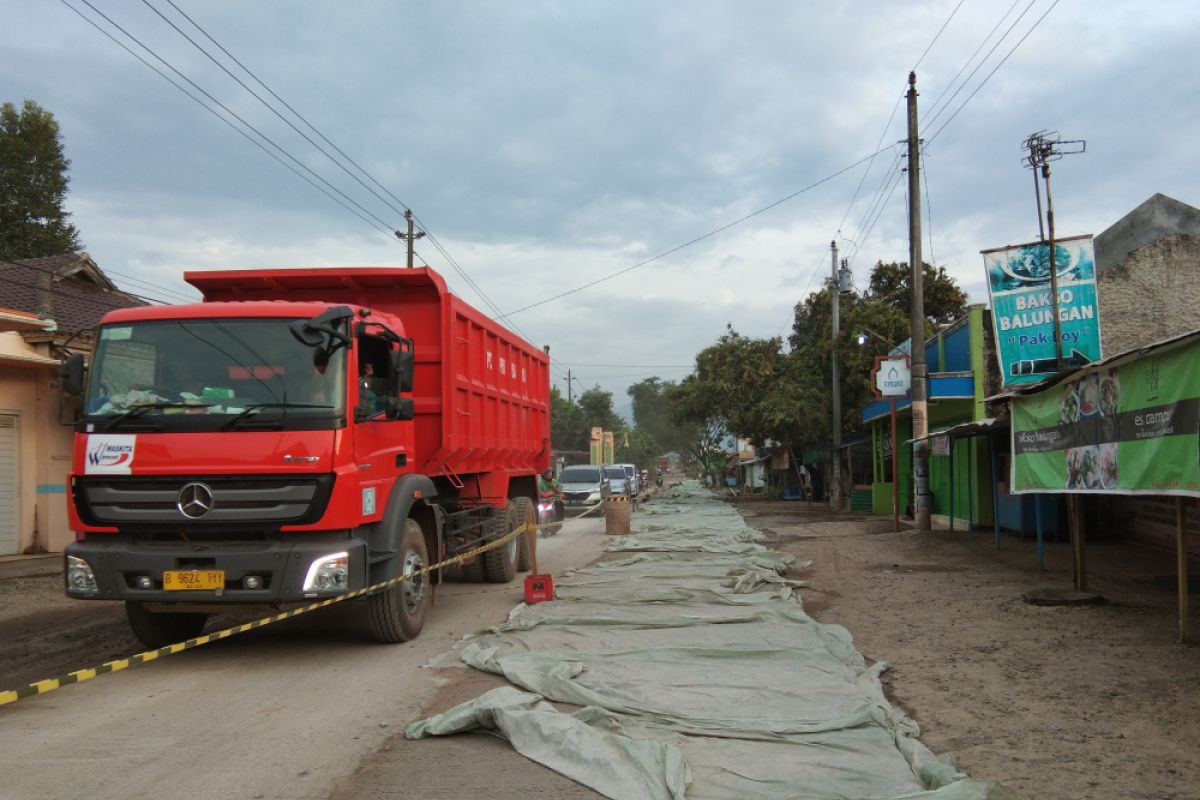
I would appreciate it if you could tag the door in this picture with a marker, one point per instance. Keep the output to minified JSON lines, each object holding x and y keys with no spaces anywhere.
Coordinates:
{"x":8,"y":485}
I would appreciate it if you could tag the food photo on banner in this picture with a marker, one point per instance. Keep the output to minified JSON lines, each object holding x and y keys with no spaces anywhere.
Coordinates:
{"x":1131,"y":428}
{"x":1022,"y":300}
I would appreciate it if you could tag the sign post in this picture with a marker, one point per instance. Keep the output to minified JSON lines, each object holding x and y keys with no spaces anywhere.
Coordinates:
{"x":892,"y":378}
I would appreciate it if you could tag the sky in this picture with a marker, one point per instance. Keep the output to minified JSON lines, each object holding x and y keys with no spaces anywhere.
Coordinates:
{"x":548,"y":145}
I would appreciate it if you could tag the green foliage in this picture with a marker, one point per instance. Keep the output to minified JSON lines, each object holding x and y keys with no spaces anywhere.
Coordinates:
{"x":944,"y":301}
{"x":33,"y":185}
{"x":568,"y":431}
{"x":751,"y":388}
{"x":652,"y":415}
{"x":597,"y":408}
{"x":697,"y":410}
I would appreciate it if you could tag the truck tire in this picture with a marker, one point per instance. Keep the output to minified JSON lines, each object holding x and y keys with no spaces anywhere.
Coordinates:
{"x":500,"y":563}
{"x":160,"y":629}
{"x":398,"y":612}
{"x":527,"y":512}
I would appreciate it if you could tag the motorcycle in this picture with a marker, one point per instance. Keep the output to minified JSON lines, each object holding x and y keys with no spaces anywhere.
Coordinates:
{"x":550,"y":510}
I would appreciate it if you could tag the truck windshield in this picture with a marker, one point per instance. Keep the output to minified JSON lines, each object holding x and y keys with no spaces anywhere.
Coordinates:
{"x":206,"y":374}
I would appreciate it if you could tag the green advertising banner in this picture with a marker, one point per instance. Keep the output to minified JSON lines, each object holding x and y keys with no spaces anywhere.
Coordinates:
{"x":1130,"y":429}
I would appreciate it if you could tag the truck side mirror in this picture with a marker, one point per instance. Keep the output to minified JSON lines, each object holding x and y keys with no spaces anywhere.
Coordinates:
{"x":401,"y":408}
{"x":71,"y":374}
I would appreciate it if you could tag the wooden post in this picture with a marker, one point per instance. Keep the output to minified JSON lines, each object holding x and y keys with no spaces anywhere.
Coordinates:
{"x":531,"y":536}
{"x":1075,"y":514}
{"x":1041,"y":531}
{"x":1181,"y":562}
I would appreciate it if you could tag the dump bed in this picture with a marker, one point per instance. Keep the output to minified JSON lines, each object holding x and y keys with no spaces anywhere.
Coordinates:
{"x":481,"y":392}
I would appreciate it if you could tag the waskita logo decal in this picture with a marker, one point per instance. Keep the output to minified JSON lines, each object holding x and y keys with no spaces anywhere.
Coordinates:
{"x":112,"y":454}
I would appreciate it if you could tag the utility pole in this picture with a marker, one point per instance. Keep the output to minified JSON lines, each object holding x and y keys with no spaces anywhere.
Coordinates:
{"x":920,"y":398}
{"x":409,"y":237}
{"x":570,"y":397}
{"x":835,"y":482}
{"x":1043,"y":148}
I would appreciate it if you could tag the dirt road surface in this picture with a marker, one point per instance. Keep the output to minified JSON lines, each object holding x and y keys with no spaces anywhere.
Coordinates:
{"x":282,"y":713}
{"x":1087,"y":703}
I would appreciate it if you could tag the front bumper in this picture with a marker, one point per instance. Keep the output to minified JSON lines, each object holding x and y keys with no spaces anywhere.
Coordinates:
{"x":280,"y":564}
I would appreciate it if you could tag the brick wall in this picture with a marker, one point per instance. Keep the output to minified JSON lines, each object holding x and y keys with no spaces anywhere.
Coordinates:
{"x":1151,"y":520}
{"x":1154,"y":294}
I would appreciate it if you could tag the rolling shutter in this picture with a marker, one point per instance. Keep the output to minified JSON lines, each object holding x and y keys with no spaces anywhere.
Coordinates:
{"x":8,"y":484}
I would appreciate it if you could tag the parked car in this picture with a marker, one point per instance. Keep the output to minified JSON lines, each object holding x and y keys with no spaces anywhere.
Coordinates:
{"x":635,"y":483}
{"x":618,"y":480}
{"x":583,"y":485}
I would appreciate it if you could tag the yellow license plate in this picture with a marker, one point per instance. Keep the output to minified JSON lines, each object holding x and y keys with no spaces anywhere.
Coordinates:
{"x":185,"y":579}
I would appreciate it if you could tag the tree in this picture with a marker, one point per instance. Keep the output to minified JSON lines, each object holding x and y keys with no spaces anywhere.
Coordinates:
{"x":567,"y":428}
{"x":33,"y":185}
{"x":944,"y":301}
{"x":696,"y":409}
{"x":596,"y":405}
{"x":652,"y":415}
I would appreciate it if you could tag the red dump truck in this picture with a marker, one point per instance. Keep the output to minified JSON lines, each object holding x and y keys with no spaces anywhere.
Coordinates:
{"x":297,"y":435}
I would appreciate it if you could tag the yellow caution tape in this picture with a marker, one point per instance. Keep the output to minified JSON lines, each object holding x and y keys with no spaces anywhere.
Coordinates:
{"x":79,"y":676}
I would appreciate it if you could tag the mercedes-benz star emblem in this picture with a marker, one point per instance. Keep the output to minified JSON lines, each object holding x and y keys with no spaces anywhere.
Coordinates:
{"x":195,"y":500}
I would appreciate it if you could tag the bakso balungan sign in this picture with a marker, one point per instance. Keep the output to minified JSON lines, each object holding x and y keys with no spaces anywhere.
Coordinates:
{"x":1023,"y":307}
{"x":1130,"y":429}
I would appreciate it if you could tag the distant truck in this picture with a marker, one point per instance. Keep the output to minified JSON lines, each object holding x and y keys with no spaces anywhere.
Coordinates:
{"x":664,"y":465}
{"x":297,"y":435}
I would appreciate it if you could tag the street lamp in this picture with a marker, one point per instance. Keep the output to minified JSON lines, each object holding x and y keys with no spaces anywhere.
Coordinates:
{"x":866,"y":334}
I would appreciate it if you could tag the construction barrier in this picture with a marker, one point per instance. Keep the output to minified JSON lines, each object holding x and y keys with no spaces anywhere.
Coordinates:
{"x":616,"y":515}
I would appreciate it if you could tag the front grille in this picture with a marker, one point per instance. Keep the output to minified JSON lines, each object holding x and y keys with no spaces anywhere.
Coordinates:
{"x":135,"y":501}
{"x":576,"y":496}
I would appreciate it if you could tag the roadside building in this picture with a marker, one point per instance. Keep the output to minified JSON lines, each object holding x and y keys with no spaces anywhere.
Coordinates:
{"x":48,"y":306}
{"x":962,"y":448}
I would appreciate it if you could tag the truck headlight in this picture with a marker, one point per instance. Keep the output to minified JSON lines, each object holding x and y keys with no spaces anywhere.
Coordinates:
{"x":328,"y":574}
{"x":80,"y":577}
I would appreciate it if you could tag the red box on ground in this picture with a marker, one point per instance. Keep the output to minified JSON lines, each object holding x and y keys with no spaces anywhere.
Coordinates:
{"x":539,"y":588}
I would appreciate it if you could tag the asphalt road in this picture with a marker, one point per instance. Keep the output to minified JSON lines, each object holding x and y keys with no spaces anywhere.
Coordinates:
{"x":289,"y":712}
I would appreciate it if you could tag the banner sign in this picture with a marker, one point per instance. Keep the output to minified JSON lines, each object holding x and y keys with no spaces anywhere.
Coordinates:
{"x":1133,"y":429}
{"x":1023,"y":307}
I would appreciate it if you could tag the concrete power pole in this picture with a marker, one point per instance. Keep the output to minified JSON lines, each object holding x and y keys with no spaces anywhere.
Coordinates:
{"x":920,"y":398}
{"x":410,"y":237}
{"x":835,"y":481}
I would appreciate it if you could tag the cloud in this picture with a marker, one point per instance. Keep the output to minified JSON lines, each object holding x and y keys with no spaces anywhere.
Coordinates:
{"x":548,"y":144}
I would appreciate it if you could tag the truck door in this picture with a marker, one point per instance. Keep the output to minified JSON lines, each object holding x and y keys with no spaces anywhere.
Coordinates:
{"x":382,"y":446}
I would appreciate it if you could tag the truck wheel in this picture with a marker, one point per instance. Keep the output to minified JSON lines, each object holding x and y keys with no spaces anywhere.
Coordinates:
{"x":500,"y":563}
{"x":398,"y":612}
{"x":526,"y":512}
{"x":157,"y":630}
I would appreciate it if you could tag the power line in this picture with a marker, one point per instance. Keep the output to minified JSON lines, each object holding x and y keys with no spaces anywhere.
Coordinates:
{"x":378,"y":223}
{"x":937,"y":36}
{"x":934,"y":105}
{"x":259,"y":97}
{"x":403,"y":206}
{"x":383,"y":228}
{"x":691,"y":242}
{"x":984,"y":82}
{"x":631,"y":366}
{"x":928,"y":206}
